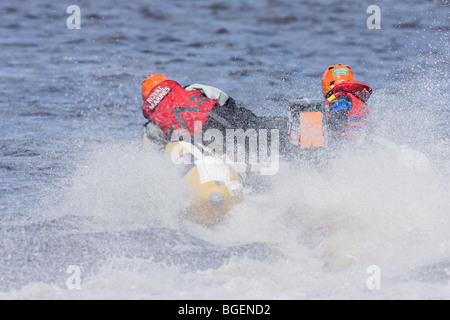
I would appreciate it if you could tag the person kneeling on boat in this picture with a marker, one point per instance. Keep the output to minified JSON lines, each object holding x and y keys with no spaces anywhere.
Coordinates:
{"x":345,"y":103}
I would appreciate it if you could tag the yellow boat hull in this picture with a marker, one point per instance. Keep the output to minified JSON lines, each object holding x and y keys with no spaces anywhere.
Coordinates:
{"x":216,"y":187}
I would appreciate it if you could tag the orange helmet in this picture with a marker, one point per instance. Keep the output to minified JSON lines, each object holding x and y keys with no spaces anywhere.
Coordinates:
{"x":152,"y":81}
{"x":334,"y":75}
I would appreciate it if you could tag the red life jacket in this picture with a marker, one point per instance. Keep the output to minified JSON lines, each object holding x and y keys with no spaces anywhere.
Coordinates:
{"x":175,"y":109}
{"x":356,"y":116}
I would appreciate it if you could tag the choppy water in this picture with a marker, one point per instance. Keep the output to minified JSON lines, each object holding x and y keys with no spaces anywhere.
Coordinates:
{"x":76,"y":190}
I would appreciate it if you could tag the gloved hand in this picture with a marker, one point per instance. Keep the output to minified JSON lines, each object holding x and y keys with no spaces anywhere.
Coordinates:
{"x":154,"y":134}
{"x":338,"y":114}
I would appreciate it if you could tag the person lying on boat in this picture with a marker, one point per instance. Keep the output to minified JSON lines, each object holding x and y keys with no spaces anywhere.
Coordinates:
{"x":173,"y":110}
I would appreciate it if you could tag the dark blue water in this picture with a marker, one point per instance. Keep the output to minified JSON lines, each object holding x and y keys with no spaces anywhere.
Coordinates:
{"x":67,"y":97}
